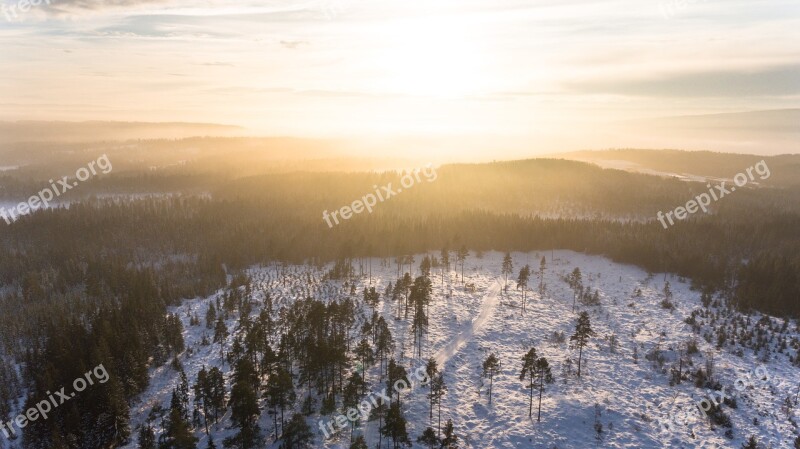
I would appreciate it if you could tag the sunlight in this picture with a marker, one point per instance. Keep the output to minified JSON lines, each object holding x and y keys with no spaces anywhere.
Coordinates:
{"x":431,"y":57}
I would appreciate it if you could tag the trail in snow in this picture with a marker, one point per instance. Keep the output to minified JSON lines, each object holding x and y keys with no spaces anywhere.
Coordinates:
{"x":490,"y":301}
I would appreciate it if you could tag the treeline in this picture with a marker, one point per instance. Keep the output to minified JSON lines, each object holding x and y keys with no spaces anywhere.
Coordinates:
{"x":90,"y":284}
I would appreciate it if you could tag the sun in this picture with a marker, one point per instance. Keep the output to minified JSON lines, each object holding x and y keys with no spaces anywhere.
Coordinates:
{"x":438,"y":57}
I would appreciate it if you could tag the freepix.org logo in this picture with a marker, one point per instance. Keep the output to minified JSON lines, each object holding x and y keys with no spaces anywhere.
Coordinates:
{"x":12,"y":11}
{"x":716,"y":192}
{"x":56,"y":188}
{"x":370,"y":200}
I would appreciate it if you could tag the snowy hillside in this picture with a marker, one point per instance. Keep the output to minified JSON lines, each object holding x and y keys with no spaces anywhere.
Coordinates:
{"x":626,"y":383}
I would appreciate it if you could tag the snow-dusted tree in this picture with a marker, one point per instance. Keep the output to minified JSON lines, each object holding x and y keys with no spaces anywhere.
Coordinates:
{"x":462,"y":257}
{"x":429,"y":439}
{"x":395,"y":427}
{"x":297,"y":434}
{"x":752,"y":443}
{"x":450,"y":440}
{"x":508,"y":267}
{"x":351,"y":398}
{"x":244,"y":408}
{"x":438,"y":390}
{"x":445,"y":255}
{"x":490,"y":367}
{"x":220,"y":334}
{"x":583,"y":331}
{"x":395,"y":373}
{"x":364,"y":354}
{"x":431,"y":370}
{"x":542,"y":267}
{"x":177,"y":430}
{"x":425,"y":266}
{"x":575,"y":281}
{"x":522,"y":282}
{"x":359,"y":443}
{"x":147,"y":438}
{"x":537,"y":370}
{"x":280,"y":394}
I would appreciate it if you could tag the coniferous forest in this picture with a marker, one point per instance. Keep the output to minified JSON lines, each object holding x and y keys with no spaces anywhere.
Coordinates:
{"x":102,"y":281}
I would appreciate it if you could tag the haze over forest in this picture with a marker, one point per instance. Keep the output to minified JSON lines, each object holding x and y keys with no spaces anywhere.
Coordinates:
{"x":417,"y":224}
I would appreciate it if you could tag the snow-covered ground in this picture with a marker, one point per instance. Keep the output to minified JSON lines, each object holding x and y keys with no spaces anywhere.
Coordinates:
{"x":620,"y":389}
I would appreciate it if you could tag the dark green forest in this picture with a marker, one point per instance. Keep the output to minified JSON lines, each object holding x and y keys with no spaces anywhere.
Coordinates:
{"x":91,"y":283}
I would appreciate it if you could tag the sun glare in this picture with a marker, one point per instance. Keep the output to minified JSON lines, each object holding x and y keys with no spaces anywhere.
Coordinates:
{"x":430,"y":57}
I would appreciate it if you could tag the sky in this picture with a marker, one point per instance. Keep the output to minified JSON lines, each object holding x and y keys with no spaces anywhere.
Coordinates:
{"x":536,"y":70}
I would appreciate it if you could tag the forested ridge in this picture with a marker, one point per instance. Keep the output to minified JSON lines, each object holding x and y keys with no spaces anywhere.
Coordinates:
{"x":90,"y":283}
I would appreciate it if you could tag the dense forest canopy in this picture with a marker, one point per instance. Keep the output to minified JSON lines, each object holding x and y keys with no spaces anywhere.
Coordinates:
{"x":92,"y":281}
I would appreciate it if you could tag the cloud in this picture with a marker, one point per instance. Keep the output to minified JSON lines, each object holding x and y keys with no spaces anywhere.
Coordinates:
{"x":772,"y":81}
{"x":293,"y":44}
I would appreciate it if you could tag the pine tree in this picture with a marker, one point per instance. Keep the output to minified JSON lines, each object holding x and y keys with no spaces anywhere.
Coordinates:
{"x":752,"y":443}
{"x":522,"y":282}
{"x":575,"y":281}
{"x":529,"y":370}
{"x":450,"y":440}
{"x":359,"y":443}
{"x":220,"y":334}
{"x":352,"y":396}
{"x":538,"y":372}
{"x":395,"y":373}
{"x":211,"y":316}
{"x":244,"y":408}
{"x":395,"y":426}
{"x":431,"y":370}
{"x":583,"y":331}
{"x":462,"y":257}
{"x":490,"y":366}
{"x":280,"y":394}
{"x":508,"y":267}
{"x":429,"y":439}
{"x":183,"y":394}
{"x":438,"y":390}
{"x":425,"y":267}
{"x":201,"y":399}
{"x":371,"y":297}
{"x":445,"y":256}
{"x":297,"y":434}
{"x":147,"y":438}
{"x":364,"y":354}
{"x":542,"y":266}
{"x":215,"y":393}
{"x":420,"y":298}
{"x":384,"y":343}
{"x":177,"y":432}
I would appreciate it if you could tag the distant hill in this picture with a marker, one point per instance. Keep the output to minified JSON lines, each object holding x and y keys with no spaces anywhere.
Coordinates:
{"x":784,"y":169}
{"x":93,"y":131}
{"x":751,"y":132}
